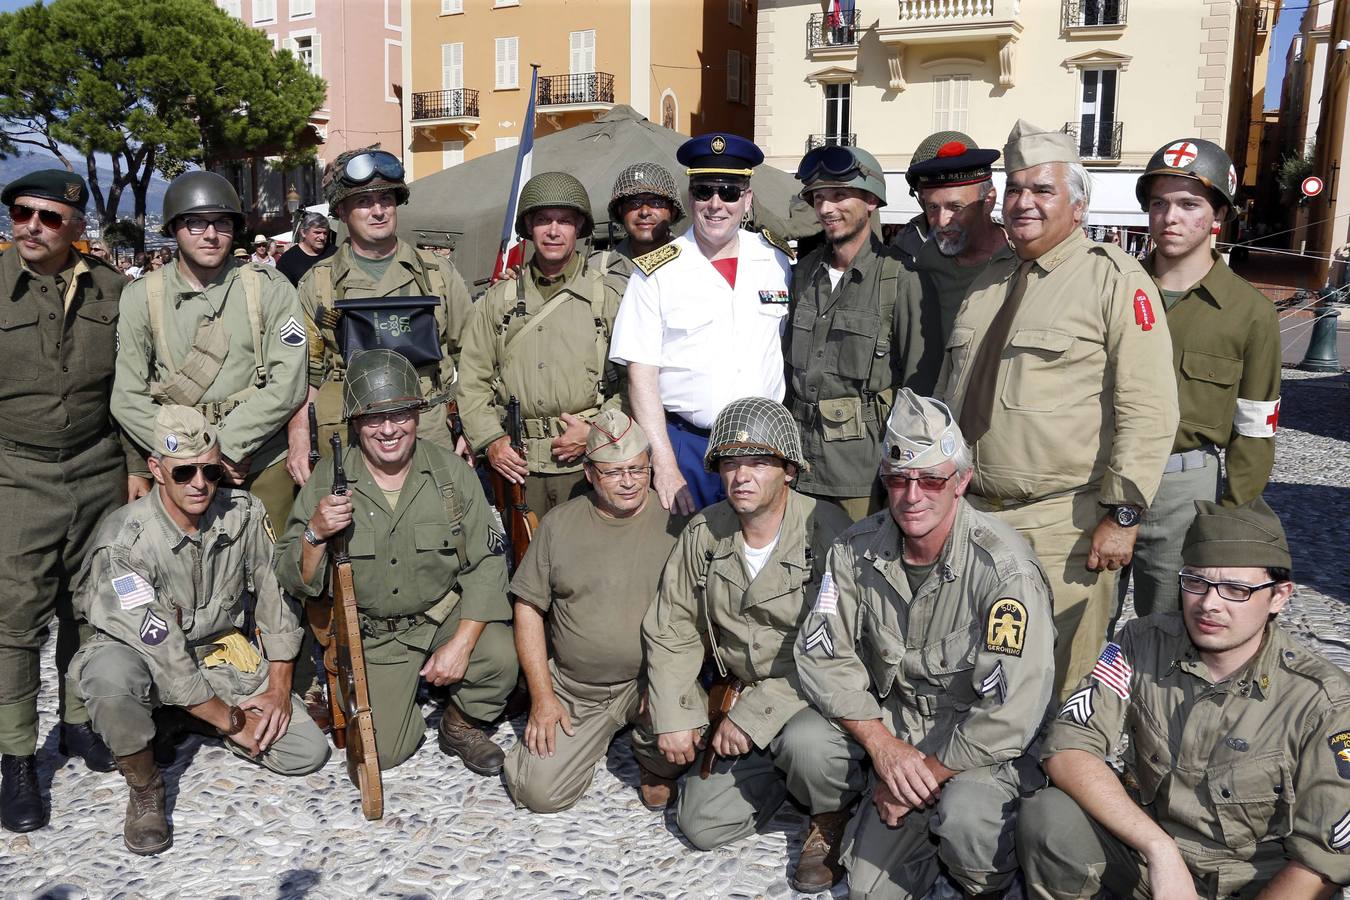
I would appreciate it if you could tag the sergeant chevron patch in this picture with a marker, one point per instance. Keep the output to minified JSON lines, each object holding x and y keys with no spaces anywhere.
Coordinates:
{"x":1340,"y":833}
{"x":995,"y":681}
{"x":821,"y":638}
{"x":1078,"y":708}
{"x":292,"y":333}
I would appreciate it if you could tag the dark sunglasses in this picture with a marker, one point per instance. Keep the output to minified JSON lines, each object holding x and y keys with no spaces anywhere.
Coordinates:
{"x":212,"y":472}
{"x":365,"y":166}
{"x":628,"y":204}
{"x":833,"y":161}
{"x":21,"y":215}
{"x":729,"y":193}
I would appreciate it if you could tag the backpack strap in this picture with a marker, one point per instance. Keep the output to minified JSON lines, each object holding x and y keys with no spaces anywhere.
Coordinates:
{"x":253,"y":300}
{"x":189,"y":382}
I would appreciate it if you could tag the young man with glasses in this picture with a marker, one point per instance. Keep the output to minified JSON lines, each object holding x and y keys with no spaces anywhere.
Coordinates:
{"x":586,"y":582}
{"x":1236,"y":777}
{"x":857,"y":331}
{"x":169,"y":581}
{"x":61,"y":465}
{"x":932,"y":648}
{"x":702,"y":320}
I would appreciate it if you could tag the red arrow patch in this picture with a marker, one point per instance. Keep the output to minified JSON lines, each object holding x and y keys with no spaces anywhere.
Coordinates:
{"x":1143,"y":311}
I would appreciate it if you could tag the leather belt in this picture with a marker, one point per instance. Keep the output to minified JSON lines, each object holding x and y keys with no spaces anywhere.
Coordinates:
{"x":48,"y":454}
{"x":1190,"y":459}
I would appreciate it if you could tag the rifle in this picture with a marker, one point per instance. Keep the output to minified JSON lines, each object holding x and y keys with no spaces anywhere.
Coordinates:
{"x":345,"y":661}
{"x":518,"y":519}
{"x":452,"y":419}
{"x":722,"y":696}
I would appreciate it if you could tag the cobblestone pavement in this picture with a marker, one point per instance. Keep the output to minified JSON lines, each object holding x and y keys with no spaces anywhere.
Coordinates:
{"x":241,"y":832}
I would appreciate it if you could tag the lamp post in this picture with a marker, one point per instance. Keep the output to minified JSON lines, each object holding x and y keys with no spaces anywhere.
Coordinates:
{"x":293,"y":203}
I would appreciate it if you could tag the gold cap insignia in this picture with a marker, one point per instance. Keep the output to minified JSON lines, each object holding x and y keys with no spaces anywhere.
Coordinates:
{"x":73,"y":191}
{"x":719,"y":144}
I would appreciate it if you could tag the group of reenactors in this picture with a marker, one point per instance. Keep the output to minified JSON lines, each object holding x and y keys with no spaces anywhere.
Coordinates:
{"x":853,"y":529}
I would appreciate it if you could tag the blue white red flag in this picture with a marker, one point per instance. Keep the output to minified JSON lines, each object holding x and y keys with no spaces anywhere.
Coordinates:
{"x":1114,"y":671}
{"x":511,"y":252}
{"x":133,"y":590}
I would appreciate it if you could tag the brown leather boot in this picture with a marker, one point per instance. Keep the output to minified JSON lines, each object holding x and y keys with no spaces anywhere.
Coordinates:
{"x":460,"y":736}
{"x":818,"y":867}
{"x":146,"y":830}
{"x":656,"y":792}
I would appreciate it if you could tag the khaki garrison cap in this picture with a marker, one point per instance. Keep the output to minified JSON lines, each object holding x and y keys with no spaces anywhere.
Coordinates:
{"x":615,"y":437}
{"x":1236,"y":536}
{"x":1031,"y":145}
{"x":920,"y":434}
{"x":181,"y":432}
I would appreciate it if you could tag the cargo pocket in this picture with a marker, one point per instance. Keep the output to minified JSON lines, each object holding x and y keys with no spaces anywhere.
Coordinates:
{"x":842,"y":419}
{"x":1034,"y":380}
{"x":854,"y":334}
{"x":882,"y":651}
{"x":1209,"y":385}
{"x":96,"y":322}
{"x":439,"y":552}
{"x":686,"y":338}
{"x":959,"y":347}
{"x":18,"y":337}
{"x":1153,"y":759}
{"x":1253,"y":800}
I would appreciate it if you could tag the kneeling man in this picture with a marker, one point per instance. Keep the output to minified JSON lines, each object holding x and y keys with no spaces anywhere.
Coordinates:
{"x":1237,"y":774}
{"x":180,"y":586}
{"x":932,"y":645}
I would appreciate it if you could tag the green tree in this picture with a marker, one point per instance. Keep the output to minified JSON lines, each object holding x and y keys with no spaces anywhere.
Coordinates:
{"x":157,"y":85}
{"x":1293,"y":169}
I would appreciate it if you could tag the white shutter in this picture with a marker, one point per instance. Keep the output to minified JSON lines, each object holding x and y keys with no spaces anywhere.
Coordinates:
{"x":452,"y":154}
{"x":508,"y":62}
{"x":232,"y":7}
{"x":960,"y":103}
{"x":942,"y":101}
{"x":502,"y":143}
{"x":451,"y":7}
{"x":452,"y":66}
{"x":581,"y":45}
{"x":733,"y":75}
{"x":264,"y":11}
{"x":301,"y":8}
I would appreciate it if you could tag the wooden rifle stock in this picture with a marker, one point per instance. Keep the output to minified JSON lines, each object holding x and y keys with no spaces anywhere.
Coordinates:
{"x":518,"y":519}
{"x":722,"y":696}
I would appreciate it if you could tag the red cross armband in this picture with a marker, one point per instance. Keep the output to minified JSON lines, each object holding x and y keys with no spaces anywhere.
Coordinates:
{"x":1256,"y":418}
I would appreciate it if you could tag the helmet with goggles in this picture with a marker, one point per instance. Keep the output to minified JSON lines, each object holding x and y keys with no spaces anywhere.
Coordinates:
{"x":364,"y":171}
{"x":836,"y":166}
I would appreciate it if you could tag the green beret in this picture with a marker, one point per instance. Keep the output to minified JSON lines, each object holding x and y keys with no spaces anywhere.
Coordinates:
{"x":1236,"y":537}
{"x":49,"y":184}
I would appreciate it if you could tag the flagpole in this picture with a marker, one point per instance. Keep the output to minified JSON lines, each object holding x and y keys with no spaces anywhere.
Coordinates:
{"x":511,"y":250}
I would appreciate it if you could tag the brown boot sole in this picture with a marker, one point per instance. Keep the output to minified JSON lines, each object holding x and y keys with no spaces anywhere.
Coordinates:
{"x":149,"y":851}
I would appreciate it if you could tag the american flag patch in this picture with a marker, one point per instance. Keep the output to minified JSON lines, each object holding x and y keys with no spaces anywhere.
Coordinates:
{"x":995,"y":683}
{"x":827,"y":601}
{"x":1113,"y":671}
{"x":133,"y":591}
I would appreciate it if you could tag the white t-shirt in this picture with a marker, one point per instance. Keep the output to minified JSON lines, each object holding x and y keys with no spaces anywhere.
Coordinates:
{"x":755,"y":559}
{"x":836,"y":275}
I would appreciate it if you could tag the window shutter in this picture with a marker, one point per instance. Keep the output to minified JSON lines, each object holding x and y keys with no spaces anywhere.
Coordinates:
{"x":733,"y":75}
{"x":942,"y":92}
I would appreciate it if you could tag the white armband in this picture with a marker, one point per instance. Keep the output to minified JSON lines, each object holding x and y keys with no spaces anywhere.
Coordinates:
{"x":1256,"y":418}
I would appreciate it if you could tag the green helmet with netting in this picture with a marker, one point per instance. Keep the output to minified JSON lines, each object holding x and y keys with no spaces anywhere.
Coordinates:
{"x":553,"y":189}
{"x":754,"y":426}
{"x":645,"y":178}
{"x":380,"y":381}
{"x":201,"y":192}
{"x":1196,"y":158}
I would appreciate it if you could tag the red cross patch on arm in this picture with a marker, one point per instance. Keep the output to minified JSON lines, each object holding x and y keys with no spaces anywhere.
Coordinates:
{"x":1256,"y":418}
{"x":1143,"y":311}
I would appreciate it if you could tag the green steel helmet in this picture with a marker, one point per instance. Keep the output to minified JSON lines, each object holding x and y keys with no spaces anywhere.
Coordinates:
{"x":754,"y":426}
{"x":835,"y":166}
{"x":363,"y":171}
{"x":1196,"y":158}
{"x":553,"y":189}
{"x":201,"y":192}
{"x":380,"y":381}
{"x":646,"y":178}
{"x":928,"y":150}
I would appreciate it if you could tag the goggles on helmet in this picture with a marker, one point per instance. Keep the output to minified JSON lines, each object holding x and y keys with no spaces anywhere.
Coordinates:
{"x":838,"y":163}
{"x":365,"y":166}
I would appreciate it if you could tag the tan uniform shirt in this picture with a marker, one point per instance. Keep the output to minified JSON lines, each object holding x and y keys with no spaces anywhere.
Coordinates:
{"x":1085,"y":395}
{"x":963,"y":668}
{"x":951,"y":280}
{"x":170,"y":595}
{"x":1243,"y":774}
{"x":705,"y":591}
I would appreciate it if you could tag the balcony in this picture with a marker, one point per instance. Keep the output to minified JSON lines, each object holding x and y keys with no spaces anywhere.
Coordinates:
{"x":457,"y":107}
{"x":982,"y":25}
{"x":831,"y":140}
{"x":581,"y":92}
{"x":1094,"y":18}
{"x":826,"y":32}
{"x":1098,"y":143}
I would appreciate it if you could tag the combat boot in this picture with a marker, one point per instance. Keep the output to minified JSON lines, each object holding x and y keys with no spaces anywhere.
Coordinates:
{"x":460,"y":736}
{"x":656,"y":792}
{"x":21,"y":807}
{"x":818,"y":866}
{"x":146,"y":829}
{"x":83,"y":741}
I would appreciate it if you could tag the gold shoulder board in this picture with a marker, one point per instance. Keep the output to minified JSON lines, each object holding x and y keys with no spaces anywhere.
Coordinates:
{"x":779,"y":243}
{"x":650,"y":262}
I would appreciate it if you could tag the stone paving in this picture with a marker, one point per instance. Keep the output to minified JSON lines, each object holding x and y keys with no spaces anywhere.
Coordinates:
{"x":242,"y":832}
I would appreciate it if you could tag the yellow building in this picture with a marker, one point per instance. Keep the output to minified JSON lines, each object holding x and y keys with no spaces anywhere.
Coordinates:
{"x":687,"y":64}
{"x":1123,"y":76}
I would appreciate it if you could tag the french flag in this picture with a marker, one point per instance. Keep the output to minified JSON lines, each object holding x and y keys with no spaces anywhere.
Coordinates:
{"x":838,"y":11}
{"x":511,"y":251}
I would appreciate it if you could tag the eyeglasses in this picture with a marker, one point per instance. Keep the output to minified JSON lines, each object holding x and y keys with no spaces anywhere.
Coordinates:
{"x":198,"y":224}
{"x":365,"y":166}
{"x":627,"y":473}
{"x":838,"y":162}
{"x":929,"y":484}
{"x":212,"y":472}
{"x":1235,"y":591}
{"x":394,"y":417}
{"x":729,"y":193}
{"x":50,"y":218}
{"x":629,"y":204}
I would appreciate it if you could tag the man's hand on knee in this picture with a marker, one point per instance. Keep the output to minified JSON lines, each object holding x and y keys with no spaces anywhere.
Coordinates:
{"x":902,"y":769}
{"x":546,"y":714}
{"x":730,"y":740}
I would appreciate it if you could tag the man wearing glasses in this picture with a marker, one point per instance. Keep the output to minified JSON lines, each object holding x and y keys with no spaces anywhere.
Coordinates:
{"x":702,"y":320}
{"x":646,"y":203}
{"x":591,"y":686}
{"x":1237,"y":773}
{"x":856,"y":333}
{"x":170,"y":581}
{"x":931,"y":645}
{"x":61,"y":466}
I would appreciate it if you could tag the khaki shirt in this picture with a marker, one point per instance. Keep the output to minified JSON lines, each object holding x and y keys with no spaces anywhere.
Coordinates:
{"x":170,"y":595}
{"x":554,"y":365}
{"x":962,"y":669}
{"x":1243,"y":774}
{"x":706,"y":594}
{"x":1226,"y":354}
{"x":1085,"y":395}
{"x":440,"y":539}
{"x":848,"y":349}
{"x":951,"y":280}
{"x":256,"y":426}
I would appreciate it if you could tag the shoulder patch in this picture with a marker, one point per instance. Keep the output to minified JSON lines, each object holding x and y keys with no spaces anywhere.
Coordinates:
{"x":292,"y":333}
{"x":650,"y":262}
{"x":153,"y":629}
{"x":1143,"y":310}
{"x":1340,"y":833}
{"x":1113,"y":670}
{"x":1340,"y":750}
{"x":132,"y":590}
{"x":1078,"y":708}
{"x":820,"y":638}
{"x":1006,"y":629}
{"x":827,"y":600}
{"x":780,"y":243}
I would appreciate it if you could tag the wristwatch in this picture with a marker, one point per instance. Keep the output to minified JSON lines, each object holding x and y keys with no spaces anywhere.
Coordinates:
{"x":314,"y":539}
{"x":237,"y":722}
{"x":1125,"y":516}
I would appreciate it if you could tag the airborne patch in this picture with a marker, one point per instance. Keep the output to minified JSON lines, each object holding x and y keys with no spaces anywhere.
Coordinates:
{"x":1340,"y":749}
{"x":820,"y":638}
{"x":650,"y":262}
{"x":1078,"y":708}
{"x":292,"y":333}
{"x":1006,"y":630}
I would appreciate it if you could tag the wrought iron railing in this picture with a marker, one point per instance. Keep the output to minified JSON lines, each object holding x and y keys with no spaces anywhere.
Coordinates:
{"x":584,"y":87}
{"x":1080,"y":13}
{"x":1101,"y":141}
{"x":833,"y":30}
{"x":831,"y":140}
{"x":445,"y":104}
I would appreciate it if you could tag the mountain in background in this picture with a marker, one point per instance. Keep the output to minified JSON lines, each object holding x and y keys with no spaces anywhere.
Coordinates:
{"x":21,"y":164}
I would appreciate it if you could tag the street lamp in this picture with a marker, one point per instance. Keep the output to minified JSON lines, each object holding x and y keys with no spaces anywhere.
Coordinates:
{"x":293,"y":202}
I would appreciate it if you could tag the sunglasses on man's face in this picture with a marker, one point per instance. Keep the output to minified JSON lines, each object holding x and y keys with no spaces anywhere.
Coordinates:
{"x":183,"y":474}
{"x":50,"y":218}
{"x":729,"y":193}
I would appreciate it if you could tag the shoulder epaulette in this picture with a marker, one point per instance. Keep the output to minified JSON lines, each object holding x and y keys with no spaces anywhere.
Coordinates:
{"x":650,"y":262}
{"x":778,"y":242}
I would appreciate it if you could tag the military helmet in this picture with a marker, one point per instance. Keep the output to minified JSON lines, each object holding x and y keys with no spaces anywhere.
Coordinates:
{"x":363,"y":171}
{"x":1196,"y":158}
{"x":754,"y":426}
{"x":645,"y":178}
{"x":553,"y":189}
{"x":201,"y":192}
{"x":379,"y":381}
{"x":833,"y":166}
